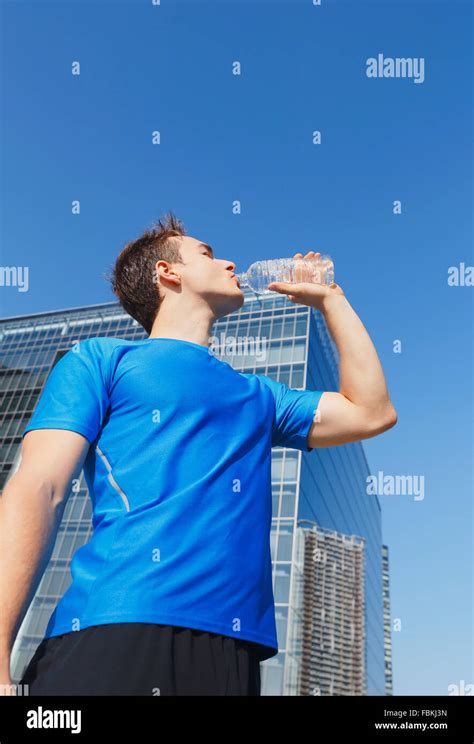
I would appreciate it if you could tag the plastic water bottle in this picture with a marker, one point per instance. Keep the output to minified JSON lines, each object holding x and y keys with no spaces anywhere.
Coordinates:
{"x":319,"y":270}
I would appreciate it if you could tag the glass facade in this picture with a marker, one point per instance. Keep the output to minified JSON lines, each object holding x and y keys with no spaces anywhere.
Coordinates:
{"x":268,"y":335}
{"x":387,"y":622}
{"x":326,"y":649}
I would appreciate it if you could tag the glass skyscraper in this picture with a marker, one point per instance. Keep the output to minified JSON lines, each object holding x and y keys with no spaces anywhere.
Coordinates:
{"x":319,"y":498}
{"x":327,"y":645}
{"x":387,"y":622}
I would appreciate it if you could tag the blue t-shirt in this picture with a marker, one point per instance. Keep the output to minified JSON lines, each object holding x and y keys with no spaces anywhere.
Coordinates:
{"x":179,"y":473}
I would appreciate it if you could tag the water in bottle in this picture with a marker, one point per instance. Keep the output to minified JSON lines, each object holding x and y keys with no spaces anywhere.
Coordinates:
{"x":318,"y":270}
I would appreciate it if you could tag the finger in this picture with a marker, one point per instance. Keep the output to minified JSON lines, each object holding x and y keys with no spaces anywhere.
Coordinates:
{"x":277,"y":287}
{"x":298,"y":255}
{"x":285,"y":288}
{"x":290,"y":297}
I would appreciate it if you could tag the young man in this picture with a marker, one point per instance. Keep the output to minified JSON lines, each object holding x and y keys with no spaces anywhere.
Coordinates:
{"x":173,"y":593}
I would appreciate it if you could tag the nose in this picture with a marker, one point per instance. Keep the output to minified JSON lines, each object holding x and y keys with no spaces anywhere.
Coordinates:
{"x":230,"y":265}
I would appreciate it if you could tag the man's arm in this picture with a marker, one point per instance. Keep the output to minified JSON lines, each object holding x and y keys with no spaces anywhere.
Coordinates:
{"x":362,"y":408}
{"x":31,"y":509}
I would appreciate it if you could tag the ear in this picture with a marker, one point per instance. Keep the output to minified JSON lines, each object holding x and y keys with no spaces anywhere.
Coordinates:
{"x":163,"y":271}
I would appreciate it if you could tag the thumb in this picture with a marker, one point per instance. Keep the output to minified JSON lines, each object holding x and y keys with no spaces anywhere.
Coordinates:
{"x":281,"y":286}
{"x":286,"y":287}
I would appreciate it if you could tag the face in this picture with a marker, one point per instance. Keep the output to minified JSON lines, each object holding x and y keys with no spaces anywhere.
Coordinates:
{"x":206,"y":276}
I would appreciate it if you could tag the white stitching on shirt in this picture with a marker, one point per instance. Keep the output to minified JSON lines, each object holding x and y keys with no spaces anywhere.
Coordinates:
{"x":112,"y":480}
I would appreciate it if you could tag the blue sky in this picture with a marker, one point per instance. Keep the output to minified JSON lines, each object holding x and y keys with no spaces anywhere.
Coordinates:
{"x":249,"y":137}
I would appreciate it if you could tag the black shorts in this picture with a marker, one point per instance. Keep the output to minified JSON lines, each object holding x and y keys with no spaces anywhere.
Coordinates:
{"x":143,"y":659}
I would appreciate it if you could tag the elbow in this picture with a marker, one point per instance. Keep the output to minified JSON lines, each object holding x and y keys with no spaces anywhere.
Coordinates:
{"x":381,"y":421}
{"x":392,"y":416}
{"x":388,"y":419}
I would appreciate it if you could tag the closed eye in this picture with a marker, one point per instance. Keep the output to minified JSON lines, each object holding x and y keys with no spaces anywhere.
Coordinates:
{"x":208,"y":249}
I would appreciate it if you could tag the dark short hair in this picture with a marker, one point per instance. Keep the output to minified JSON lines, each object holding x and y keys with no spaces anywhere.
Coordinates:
{"x":133,"y":276}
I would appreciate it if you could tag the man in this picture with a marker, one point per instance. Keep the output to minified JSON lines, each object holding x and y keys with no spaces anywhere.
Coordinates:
{"x":173,"y":593}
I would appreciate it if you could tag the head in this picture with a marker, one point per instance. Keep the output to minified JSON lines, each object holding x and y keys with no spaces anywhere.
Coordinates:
{"x":165,"y":268}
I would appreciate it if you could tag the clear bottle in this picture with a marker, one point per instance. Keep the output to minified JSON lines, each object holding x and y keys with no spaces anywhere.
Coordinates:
{"x":318,"y":270}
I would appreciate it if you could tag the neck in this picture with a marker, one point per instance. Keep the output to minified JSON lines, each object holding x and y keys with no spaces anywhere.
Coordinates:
{"x":191,"y":324}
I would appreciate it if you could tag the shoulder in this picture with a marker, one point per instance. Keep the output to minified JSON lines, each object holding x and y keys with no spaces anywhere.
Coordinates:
{"x":93,"y":356}
{"x":261,"y":380}
{"x":99,"y":346}
{"x":266,"y":384}
{"x":101,"y":343}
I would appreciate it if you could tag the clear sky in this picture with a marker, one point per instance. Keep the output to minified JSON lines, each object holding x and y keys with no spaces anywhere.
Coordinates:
{"x":249,"y":137}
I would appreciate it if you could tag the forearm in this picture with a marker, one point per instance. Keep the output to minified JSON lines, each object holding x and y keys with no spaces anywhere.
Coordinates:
{"x":361,"y":377}
{"x":29,"y":517}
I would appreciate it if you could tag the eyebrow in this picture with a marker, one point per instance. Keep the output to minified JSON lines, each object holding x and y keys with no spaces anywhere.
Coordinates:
{"x":205,"y":245}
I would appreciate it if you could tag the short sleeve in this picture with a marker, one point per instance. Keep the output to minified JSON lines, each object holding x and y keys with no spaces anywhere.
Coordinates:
{"x":294,"y":414}
{"x":75,"y":395}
